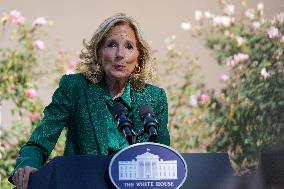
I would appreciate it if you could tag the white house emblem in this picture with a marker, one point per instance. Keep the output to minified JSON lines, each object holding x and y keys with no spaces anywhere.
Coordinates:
{"x":147,"y":165}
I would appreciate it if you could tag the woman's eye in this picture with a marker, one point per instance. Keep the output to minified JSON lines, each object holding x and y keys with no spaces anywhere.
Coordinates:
{"x":112,"y":44}
{"x":129,"y":46}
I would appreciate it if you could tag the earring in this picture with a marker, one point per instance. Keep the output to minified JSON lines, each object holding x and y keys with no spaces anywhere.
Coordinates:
{"x":137,"y":69}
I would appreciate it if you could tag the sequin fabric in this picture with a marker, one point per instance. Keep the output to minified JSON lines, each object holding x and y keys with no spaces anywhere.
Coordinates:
{"x":78,"y":105}
{"x":116,"y":140}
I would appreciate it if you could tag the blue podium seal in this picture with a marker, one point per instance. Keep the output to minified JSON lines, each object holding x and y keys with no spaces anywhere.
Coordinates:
{"x":148,"y":165}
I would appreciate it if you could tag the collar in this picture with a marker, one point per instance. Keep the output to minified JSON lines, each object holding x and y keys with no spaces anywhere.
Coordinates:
{"x":125,"y":97}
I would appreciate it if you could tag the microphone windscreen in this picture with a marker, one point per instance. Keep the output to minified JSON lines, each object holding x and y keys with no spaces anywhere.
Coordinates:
{"x":117,"y":108}
{"x":145,"y":110}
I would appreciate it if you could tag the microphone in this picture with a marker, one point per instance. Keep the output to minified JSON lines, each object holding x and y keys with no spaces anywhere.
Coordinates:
{"x":150,"y":123}
{"x":124,"y":124}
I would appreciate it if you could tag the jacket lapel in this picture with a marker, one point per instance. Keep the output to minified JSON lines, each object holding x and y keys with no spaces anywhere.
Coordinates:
{"x":97,"y":108}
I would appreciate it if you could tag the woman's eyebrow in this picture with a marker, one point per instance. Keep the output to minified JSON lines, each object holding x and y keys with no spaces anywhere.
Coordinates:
{"x":110,"y":40}
{"x":131,"y":42}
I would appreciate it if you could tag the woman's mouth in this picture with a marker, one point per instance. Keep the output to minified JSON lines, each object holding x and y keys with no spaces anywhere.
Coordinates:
{"x":119,"y":67}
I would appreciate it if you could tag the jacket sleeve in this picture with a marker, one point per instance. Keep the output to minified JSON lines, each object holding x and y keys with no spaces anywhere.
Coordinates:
{"x":162,"y":116}
{"x":43,"y":139}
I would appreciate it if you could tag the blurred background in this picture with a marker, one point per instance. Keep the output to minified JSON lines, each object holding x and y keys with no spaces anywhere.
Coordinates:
{"x":74,"y":21}
{"x":197,"y":45}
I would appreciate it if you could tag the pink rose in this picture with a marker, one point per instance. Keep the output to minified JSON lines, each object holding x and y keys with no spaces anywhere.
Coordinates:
{"x":203,"y":99}
{"x":280,"y":17}
{"x":16,"y":17}
{"x":225,"y":21}
{"x":237,"y":58}
{"x":224,"y":78}
{"x":31,"y":93}
{"x":15,"y":14}
{"x":272,"y":32}
{"x":240,"y":57}
{"x":40,"y":21}
{"x":34,"y":116}
{"x":20,"y":20}
{"x":38,"y":44}
{"x":72,"y":64}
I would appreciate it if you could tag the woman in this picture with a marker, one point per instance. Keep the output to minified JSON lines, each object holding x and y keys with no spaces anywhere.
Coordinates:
{"x":114,"y":67}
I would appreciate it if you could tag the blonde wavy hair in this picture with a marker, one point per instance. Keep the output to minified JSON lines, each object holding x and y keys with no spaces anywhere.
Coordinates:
{"x":90,"y":65}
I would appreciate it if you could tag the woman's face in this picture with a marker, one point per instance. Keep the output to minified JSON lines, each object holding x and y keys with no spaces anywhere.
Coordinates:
{"x":119,"y":52}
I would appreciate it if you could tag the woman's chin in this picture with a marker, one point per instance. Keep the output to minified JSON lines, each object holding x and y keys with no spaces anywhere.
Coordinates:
{"x":118,"y":76}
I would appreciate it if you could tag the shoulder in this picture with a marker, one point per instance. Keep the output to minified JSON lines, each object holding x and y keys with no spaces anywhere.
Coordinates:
{"x":149,"y":88}
{"x":74,"y":78}
{"x":154,"y":96}
{"x":152,"y":92}
{"x":73,"y":81}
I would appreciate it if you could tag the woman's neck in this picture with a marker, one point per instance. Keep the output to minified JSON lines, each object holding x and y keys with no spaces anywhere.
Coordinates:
{"x":116,"y":87}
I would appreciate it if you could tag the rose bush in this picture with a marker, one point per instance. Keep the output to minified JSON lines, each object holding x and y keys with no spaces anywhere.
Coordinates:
{"x":187,"y":97}
{"x":248,"y":113}
{"x":20,"y":70}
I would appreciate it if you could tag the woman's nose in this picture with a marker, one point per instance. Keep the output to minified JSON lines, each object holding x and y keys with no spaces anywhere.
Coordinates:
{"x":120,"y":54}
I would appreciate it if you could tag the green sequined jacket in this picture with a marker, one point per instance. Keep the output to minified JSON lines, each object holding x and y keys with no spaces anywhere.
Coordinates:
{"x":78,"y":106}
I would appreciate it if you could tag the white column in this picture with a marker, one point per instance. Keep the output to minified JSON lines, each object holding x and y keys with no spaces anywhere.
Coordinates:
{"x":143,"y":169}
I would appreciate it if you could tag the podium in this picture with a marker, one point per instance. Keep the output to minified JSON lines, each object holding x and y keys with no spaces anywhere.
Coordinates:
{"x":205,"y":170}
